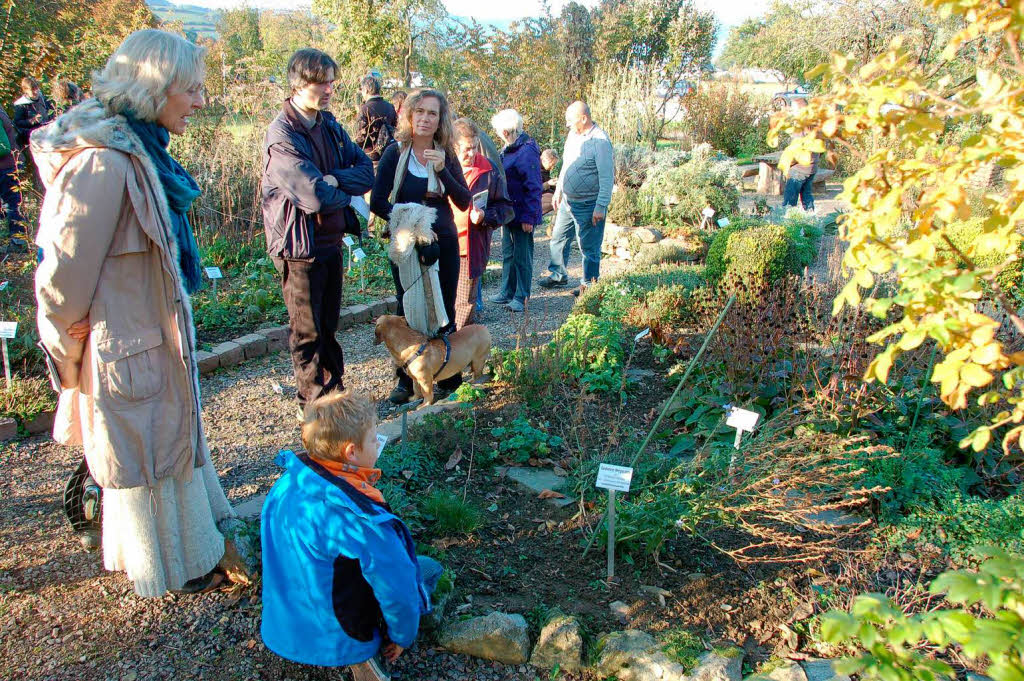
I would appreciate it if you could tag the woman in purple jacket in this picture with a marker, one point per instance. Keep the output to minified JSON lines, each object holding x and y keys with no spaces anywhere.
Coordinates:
{"x":521,"y":159}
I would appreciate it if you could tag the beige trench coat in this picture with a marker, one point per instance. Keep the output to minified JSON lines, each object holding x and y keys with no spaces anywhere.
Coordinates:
{"x":131,"y":391}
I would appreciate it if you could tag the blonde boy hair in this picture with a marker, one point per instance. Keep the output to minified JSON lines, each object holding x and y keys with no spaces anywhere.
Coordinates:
{"x":332,"y":421}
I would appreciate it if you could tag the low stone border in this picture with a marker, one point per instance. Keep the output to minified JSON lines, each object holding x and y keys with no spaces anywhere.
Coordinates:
{"x":265,"y":340}
{"x":269,"y":339}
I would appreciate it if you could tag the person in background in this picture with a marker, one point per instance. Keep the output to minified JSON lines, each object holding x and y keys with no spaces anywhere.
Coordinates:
{"x":423,"y":168}
{"x":800,"y":182}
{"x":65,"y":95}
{"x":581,"y":198}
{"x":476,"y":224}
{"x":311,"y":171}
{"x":397,"y":100}
{"x":31,"y":111}
{"x":548,"y":161}
{"x":376,"y":120}
{"x":10,"y":191}
{"x":114,"y":314}
{"x":521,"y":159}
{"x":341,"y":579}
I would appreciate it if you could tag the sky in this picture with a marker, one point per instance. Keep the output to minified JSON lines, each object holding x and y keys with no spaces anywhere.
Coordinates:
{"x":729,"y":13}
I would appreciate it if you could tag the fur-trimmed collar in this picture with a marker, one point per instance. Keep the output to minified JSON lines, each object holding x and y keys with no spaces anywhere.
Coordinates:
{"x":86,"y":126}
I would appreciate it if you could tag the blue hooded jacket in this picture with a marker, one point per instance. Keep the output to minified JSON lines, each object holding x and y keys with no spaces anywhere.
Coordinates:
{"x":339,"y":570}
{"x":521,"y":160}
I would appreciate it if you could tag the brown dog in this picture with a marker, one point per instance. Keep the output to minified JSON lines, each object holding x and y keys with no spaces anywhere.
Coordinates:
{"x":471,"y":346}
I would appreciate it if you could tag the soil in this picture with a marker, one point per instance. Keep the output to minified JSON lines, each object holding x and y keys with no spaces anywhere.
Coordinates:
{"x":62,"y":616}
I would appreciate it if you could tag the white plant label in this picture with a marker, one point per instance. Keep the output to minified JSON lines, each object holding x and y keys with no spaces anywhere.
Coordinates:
{"x":614,"y":477}
{"x":358,"y":254}
{"x":348,"y":241}
{"x":724,"y":222}
{"x":742,"y":419}
{"x":709,"y":212}
{"x":382,"y":441}
{"x":641,"y":335}
{"x":3,"y":285}
{"x":213,"y":272}
{"x":359,"y":204}
{"x":8,"y":329}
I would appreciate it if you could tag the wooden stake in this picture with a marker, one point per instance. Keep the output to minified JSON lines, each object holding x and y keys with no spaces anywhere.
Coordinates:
{"x":611,"y":535}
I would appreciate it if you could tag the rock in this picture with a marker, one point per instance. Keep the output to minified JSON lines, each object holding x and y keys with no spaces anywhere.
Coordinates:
{"x":207,"y":361}
{"x":720,"y":664}
{"x":346,"y":319}
{"x":251,"y":508}
{"x":228,"y":353}
{"x":623,"y":253}
{"x":787,"y":671}
{"x":360,"y":313}
{"x":8,"y":429}
{"x":635,"y":656}
{"x":41,"y":422}
{"x":649,"y":235}
{"x":497,"y":636}
{"x":620,"y":610}
{"x":536,"y":480}
{"x":277,"y":337}
{"x":378,"y":308}
{"x":560,"y":644}
{"x":253,"y":345}
{"x":432,"y":621}
{"x":243,"y":559}
{"x":821,"y":670}
{"x":392,"y":304}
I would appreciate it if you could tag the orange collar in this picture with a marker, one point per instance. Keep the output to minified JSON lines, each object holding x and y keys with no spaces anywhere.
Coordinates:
{"x":363,"y":479}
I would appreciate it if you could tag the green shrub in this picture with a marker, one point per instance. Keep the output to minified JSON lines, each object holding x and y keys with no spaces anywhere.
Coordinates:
{"x":965,"y":234}
{"x":666,"y":253}
{"x":592,"y":351}
{"x":624,"y":208}
{"x":680,"y":194}
{"x":986,"y":627}
{"x":664,"y":307}
{"x":449,"y":514}
{"x":754,"y":250}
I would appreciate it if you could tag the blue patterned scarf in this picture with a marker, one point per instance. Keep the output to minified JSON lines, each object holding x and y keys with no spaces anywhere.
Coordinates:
{"x":181,"y":190}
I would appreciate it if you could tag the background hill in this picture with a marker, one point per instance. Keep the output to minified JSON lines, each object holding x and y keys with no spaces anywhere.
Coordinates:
{"x":202,"y":20}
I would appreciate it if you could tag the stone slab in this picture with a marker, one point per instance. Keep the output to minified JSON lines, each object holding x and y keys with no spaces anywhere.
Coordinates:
{"x":229,"y":353}
{"x":346,"y":319}
{"x":253,"y":345}
{"x":277,"y":337}
{"x":822,"y":670}
{"x":207,"y":361}
{"x":393,"y":426}
{"x":41,"y":422}
{"x":536,"y":480}
{"x":251,"y":507}
{"x":360,"y":313}
{"x":392,"y":304}
{"x":8,"y":429}
{"x":378,"y":308}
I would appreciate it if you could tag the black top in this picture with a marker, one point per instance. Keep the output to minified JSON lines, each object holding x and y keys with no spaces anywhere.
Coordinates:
{"x":375,"y":126}
{"x":414,"y":190}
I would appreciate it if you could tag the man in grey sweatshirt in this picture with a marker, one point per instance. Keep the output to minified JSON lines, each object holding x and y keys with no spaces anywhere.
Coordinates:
{"x":581,"y":198}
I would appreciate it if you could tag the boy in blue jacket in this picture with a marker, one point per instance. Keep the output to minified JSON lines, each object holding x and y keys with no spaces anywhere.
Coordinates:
{"x":341,"y":579}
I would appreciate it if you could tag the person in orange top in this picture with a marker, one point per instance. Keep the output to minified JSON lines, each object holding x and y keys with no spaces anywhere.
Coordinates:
{"x":476,"y":224}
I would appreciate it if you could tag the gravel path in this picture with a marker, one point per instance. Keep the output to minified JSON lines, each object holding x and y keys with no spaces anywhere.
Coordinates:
{"x":63,"y":617}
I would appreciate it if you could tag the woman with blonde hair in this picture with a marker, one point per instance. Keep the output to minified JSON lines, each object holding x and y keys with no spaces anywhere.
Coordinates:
{"x":423,"y":169}
{"x":119,"y":263}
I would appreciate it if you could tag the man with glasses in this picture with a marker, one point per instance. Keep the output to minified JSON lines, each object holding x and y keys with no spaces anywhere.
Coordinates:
{"x":311,"y":171}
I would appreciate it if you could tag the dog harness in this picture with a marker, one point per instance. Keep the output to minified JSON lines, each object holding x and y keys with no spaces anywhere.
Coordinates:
{"x":447,"y":354}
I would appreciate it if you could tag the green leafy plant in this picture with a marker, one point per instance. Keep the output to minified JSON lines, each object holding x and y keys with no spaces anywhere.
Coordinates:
{"x":989,"y":625}
{"x":520,"y":441}
{"x":680,"y":194}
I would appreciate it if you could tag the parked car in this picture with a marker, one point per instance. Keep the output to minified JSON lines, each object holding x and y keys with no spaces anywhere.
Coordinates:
{"x":780,"y":100}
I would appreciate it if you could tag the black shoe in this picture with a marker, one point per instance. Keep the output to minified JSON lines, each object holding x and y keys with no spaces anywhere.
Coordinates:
{"x":400,"y":394}
{"x":550,"y":282}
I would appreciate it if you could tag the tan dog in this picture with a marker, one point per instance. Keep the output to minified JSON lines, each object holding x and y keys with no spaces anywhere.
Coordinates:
{"x":471,"y":346}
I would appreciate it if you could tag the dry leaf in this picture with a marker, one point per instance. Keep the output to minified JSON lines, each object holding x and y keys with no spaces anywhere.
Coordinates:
{"x":454,"y":459}
{"x":550,"y":494}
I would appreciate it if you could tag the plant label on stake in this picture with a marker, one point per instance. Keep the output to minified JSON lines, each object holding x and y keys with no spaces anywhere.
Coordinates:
{"x":709,"y":212}
{"x":724,"y":222}
{"x":7,"y":330}
{"x":3,"y":285}
{"x":643,"y":334}
{"x":349,"y":243}
{"x":742,"y":420}
{"x":358,"y":256}
{"x":382,"y":441}
{"x":614,"y":479}
{"x":706,"y":216}
{"x":214,"y":273}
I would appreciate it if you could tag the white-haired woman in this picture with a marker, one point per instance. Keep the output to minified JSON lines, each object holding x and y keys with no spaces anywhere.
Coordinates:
{"x":521,"y":159}
{"x":119,"y":263}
